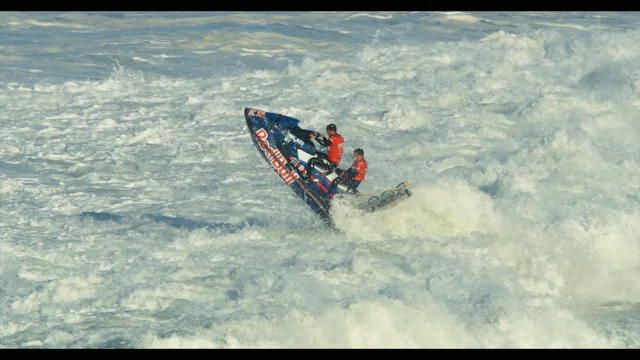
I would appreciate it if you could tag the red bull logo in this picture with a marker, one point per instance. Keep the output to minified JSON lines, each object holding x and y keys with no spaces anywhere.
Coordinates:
{"x":275,"y":157}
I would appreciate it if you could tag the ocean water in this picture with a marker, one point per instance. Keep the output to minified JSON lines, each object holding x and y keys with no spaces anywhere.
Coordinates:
{"x":136,"y":213}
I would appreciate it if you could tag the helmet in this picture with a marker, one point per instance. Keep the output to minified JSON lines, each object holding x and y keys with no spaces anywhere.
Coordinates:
{"x":359,"y":151}
{"x":331,"y":127}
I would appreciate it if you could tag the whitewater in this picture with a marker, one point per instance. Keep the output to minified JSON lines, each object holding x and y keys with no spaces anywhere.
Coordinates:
{"x":135,"y":212}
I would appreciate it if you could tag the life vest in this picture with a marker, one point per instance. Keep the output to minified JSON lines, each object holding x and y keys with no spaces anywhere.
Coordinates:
{"x":336,"y":148}
{"x":361,"y":167}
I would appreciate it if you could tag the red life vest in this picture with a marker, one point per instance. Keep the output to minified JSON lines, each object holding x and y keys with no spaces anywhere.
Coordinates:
{"x":336,"y":148}
{"x":361,"y":167}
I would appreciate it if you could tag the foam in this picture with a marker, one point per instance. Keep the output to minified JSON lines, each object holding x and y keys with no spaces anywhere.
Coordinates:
{"x":385,"y":323}
{"x":370,"y":16}
{"x":571,"y":26}
{"x":445,"y":209}
{"x":461,"y":18}
{"x":53,"y":24}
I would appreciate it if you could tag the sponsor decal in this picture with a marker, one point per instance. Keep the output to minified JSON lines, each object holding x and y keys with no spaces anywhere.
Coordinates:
{"x":255,"y":112}
{"x":321,"y":186}
{"x":275,"y":157}
{"x":290,"y":137}
{"x":297,"y":164}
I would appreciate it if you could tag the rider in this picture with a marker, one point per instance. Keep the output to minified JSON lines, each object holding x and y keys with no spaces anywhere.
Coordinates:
{"x":332,"y":159}
{"x":354,"y":175}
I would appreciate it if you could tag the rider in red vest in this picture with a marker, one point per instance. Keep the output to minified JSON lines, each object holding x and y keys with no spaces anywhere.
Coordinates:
{"x":332,"y":159}
{"x":354,"y":175}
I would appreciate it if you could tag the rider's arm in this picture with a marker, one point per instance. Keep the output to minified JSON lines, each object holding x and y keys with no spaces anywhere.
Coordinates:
{"x":323,"y":140}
